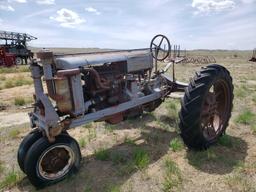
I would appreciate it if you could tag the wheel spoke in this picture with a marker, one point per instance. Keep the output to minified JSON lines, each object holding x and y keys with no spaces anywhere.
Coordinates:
{"x":161,"y":42}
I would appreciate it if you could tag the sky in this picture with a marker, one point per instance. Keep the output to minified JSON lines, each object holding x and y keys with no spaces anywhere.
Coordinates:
{"x":127,"y":24}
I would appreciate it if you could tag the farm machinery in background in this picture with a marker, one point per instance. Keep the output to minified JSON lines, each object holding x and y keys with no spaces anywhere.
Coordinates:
{"x":253,"y":59}
{"x":13,"y":48}
{"x":112,"y":87}
{"x":177,"y":52}
{"x":6,"y":59}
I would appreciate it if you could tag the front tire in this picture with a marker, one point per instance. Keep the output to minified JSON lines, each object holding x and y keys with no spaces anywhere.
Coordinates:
{"x":206,"y":107}
{"x":26,"y":143}
{"x":47,"y":163}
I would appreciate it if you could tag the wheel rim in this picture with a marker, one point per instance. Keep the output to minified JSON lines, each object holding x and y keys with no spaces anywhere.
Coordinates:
{"x":56,"y":162}
{"x":18,"y":61}
{"x":215,"y":110}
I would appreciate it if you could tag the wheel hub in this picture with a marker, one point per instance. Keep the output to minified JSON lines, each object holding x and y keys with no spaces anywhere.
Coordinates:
{"x":56,"y":162}
{"x":213,"y":112}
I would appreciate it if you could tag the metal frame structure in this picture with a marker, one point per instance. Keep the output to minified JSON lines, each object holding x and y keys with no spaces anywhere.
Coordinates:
{"x":71,"y":65}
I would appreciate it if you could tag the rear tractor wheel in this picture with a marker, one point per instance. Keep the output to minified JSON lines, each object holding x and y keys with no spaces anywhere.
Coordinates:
{"x":206,"y":107}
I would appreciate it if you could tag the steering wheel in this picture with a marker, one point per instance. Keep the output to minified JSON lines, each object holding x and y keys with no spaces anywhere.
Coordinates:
{"x":160,"y":47}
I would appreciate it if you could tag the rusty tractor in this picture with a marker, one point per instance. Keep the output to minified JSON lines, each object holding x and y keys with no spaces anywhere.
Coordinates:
{"x":111,"y":87}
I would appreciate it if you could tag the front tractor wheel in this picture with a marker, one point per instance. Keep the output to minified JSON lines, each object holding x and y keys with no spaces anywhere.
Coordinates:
{"x":206,"y":107}
{"x":47,"y":163}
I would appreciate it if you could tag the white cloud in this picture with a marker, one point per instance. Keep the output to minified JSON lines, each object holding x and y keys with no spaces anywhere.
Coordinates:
{"x":92,"y":10}
{"x":68,"y":18}
{"x":20,"y":1}
{"x":248,"y":1}
{"x":16,"y":1}
{"x":207,"y":6}
{"x":6,"y":7}
{"x":45,"y":2}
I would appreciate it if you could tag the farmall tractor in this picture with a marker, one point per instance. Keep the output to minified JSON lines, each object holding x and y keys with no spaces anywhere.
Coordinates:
{"x":113,"y":86}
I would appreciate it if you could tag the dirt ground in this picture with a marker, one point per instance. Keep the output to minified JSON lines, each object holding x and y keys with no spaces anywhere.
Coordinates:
{"x":230,"y":165}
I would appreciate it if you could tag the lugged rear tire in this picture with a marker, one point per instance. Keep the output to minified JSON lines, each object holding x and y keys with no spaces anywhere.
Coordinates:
{"x":206,"y":107}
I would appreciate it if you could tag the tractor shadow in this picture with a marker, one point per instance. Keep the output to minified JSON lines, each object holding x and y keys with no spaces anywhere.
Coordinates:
{"x":118,"y":165}
{"x":221,"y":158}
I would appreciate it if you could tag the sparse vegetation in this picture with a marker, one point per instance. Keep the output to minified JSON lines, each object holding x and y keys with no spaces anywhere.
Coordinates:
{"x":92,"y":133}
{"x":247,"y":117}
{"x":1,"y":167}
{"x":9,"y":180}
{"x":118,"y":157}
{"x":213,"y":156}
{"x":113,"y":188}
{"x":139,"y":161}
{"x":2,"y":78}
{"x":110,"y":127}
{"x":82,"y":142}
{"x":129,"y":141}
{"x":253,"y":128}
{"x":173,"y":177}
{"x":254,"y":99}
{"x":176,"y":144}
{"x":14,"y":133}
{"x":19,"y":101}
{"x":227,"y":141}
{"x":17,"y":81}
{"x":87,"y":189}
{"x":14,"y":69}
{"x":102,"y":154}
{"x":140,"y":158}
{"x":240,"y":181}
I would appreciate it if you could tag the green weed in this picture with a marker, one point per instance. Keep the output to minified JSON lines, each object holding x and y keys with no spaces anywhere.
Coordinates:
{"x":227,"y":141}
{"x":118,"y":157}
{"x":1,"y":167}
{"x":113,"y":188}
{"x":19,"y":101}
{"x":129,"y":141}
{"x":82,"y":142}
{"x":102,"y":154}
{"x":247,"y":117}
{"x":176,"y":144}
{"x":17,"y":81}
{"x":10,"y":180}
{"x":173,"y":177}
{"x":110,"y":127}
{"x":253,"y":128}
{"x":141,"y":158}
{"x":14,"y":133}
{"x":92,"y":134}
{"x":87,"y":189}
